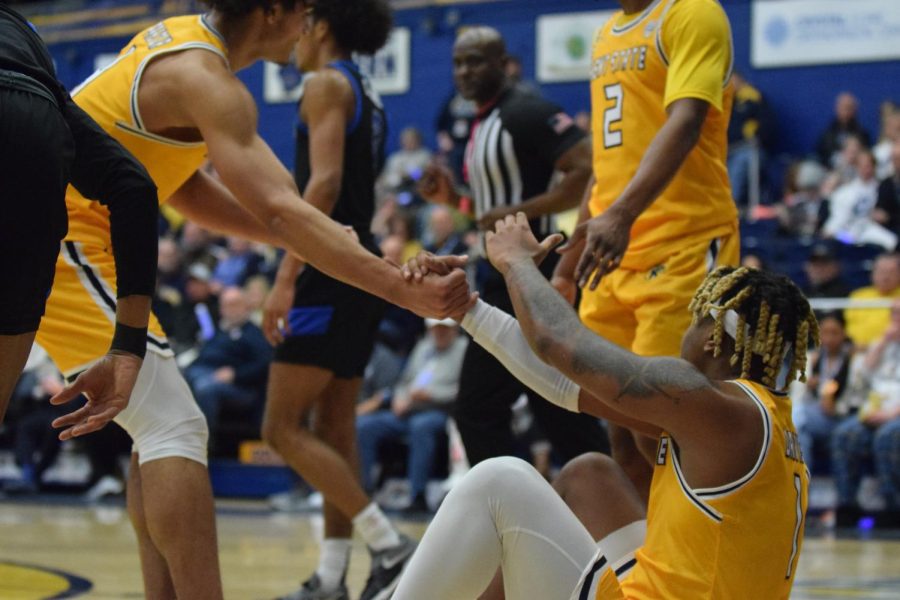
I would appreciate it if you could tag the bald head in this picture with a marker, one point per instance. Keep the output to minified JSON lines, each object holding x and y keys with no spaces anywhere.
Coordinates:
{"x":479,"y":64}
{"x":487,"y":39}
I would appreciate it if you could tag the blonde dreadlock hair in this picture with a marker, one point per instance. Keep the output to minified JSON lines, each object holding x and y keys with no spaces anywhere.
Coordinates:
{"x":774,"y":319}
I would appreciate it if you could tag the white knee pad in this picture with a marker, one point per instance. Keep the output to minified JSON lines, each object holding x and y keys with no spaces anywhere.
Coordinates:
{"x":162,"y":417}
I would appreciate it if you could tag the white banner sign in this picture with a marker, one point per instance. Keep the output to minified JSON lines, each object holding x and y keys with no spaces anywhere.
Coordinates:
{"x":564,"y":45}
{"x":389,"y":71}
{"x":812,"y":32}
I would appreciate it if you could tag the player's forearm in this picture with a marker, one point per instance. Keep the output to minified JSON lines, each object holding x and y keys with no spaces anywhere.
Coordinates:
{"x":663,"y":158}
{"x":208,"y":203}
{"x":288,"y":270}
{"x":630,"y":384}
{"x":309,"y":233}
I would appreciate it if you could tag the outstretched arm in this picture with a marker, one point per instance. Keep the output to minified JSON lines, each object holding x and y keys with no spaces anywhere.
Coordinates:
{"x":669,"y":393}
{"x":227,"y":122}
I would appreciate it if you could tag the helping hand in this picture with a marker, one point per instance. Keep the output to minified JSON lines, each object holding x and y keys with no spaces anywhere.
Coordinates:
{"x":107,"y":385}
{"x":425,"y":262}
{"x":606,"y":239}
{"x":514,"y":242}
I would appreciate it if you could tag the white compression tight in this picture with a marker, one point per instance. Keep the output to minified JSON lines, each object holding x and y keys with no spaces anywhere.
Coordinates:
{"x":502,"y":514}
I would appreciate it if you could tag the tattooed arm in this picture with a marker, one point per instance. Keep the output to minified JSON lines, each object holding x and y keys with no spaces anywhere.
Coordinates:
{"x":667,"y":392}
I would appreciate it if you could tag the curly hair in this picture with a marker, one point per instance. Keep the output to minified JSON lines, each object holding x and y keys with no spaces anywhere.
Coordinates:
{"x":361,"y":26}
{"x":774,"y":320}
{"x":239,"y":8}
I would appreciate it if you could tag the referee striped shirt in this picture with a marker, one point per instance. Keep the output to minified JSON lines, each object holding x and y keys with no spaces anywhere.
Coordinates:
{"x":513,"y":148}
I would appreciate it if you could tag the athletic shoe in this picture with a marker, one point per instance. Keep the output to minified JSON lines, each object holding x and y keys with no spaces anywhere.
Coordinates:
{"x":387,"y":566}
{"x":106,"y":486}
{"x":312,"y":590}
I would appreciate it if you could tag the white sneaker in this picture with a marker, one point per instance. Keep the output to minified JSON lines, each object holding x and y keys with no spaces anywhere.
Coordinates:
{"x":107,"y":486}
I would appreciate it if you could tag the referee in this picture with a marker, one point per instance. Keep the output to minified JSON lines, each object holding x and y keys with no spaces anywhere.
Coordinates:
{"x":47,"y":142}
{"x":517,"y":142}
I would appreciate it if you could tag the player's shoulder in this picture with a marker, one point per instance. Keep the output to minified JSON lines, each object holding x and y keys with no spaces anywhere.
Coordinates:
{"x":698,"y":12}
{"x":329,"y":82}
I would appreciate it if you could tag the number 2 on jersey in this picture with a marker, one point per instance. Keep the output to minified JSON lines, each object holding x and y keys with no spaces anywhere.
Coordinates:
{"x":613,"y":115}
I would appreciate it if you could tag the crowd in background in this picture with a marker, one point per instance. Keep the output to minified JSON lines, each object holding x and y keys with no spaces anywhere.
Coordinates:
{"x":830,"y":220}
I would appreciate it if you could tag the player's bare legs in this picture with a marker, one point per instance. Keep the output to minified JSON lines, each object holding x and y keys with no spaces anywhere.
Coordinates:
{"x":14,"y":351}
{"x":178,"y":529}
{"x":335,"y":424}
{"x":293,"y":390}
{"x":155,"y":571}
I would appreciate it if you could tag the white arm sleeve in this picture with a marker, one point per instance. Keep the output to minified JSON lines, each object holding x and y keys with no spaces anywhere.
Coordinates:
{"x":500,"y":334}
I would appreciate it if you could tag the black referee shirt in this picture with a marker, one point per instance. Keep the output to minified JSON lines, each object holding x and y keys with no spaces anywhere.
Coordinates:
{"x":512,"y":151}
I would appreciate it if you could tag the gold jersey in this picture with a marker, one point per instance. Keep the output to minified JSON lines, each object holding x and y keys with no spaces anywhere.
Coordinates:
{"x":675,"y":49}
{"x":78,"y":324}
{"x":740,"y":540}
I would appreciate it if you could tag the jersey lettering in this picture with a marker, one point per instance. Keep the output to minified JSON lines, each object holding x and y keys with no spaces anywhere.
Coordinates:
{"x":629,"y":59}
{"x":662,"y":450}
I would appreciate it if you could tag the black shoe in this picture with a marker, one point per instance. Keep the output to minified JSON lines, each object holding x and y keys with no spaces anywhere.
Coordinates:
{"x":417,"y":507}
{"x":387,"y":566}
{"x":312,"y":590}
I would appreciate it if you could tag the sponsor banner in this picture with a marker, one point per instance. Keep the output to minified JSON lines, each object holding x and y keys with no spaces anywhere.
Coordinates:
{"x":389,"y":71}
{"x":564,"y":44}
{"x":813,"y":32}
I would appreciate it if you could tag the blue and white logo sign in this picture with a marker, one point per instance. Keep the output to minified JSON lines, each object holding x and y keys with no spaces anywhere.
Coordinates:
{"x":812,"y":32}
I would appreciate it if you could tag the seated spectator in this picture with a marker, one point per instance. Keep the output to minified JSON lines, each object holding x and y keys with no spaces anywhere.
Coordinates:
{"x":238,"y":265}
{"x":36,"y":443}
{"x":825,"y":403}
{"x":191,"y":317}
{"x":198,"y":246}
{"x":749,"y":133}
{"x":844,"y":169}
{"x":230,"y":371}
{"x":404,"y":167}
{"x":170,"y":268}
{"x":875,"y":432}
{"x":843,"y":124}
{"x":256,"y":289}
{"x":890,"y":136}
{"x":804,"y":211}
{"x":753,"y":261}
{"x":453,"y":126}
{"x":418,"y":407}
{"x":823,"y":274}
{"x":851,"y":217}
{"x":887,"y":207}
{"x":442,"y":237}
{"x":865,"y":325}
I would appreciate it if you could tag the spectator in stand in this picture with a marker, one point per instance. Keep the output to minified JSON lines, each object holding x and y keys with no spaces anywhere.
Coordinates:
{"x":191,"y":317}
{"x":36,"y":442}
{"x":804,"y":211}
{"x":515,"y":74}
{"x":198,"y":246}
{"x":453,"y":127}
{"x":866,"y":325}
{"x":256,"y":289}
{"x":442,"y":237}
{"x":753,"y":261}
{"x":749,"y":131}
{"x":823,"y":274}
{"x":169,"y":266}
{"x":825,"y":403}
{"x":241,"y":263}
{"x":887,"y":207}
{"x":230,"y":371}
{"x":876,"y":431}
{"x":844,"y":123}
{"x":418,"y":407}
{"x":890,"y":136}
{"x":851,"y":217}
{"x":404,"y":167}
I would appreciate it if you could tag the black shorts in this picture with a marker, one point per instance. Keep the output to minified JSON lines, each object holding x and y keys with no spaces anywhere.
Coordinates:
{"x":36,"y":154}
{"x":332,"y":325}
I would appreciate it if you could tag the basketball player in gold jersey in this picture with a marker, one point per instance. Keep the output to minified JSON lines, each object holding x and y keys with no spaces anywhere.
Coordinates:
{"x":729,"y":489}
{"x":659,"y":215}
{"x":173,"y":100}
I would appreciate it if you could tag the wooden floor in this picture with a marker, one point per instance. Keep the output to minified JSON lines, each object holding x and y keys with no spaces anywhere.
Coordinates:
{"x":66,"y":551}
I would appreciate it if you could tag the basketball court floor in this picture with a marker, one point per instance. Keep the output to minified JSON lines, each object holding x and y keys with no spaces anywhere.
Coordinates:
{"x":73,"y":551}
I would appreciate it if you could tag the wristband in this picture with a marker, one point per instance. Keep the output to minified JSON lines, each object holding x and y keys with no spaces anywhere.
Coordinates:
{"x":132,"y":340}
